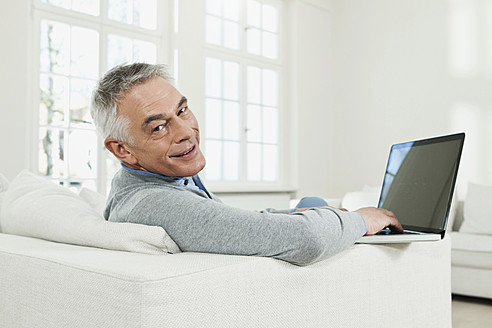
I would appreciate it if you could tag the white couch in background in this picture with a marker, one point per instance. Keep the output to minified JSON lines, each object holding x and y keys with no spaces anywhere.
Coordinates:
{"x":471,"y":239}
{"x":44,"y":283}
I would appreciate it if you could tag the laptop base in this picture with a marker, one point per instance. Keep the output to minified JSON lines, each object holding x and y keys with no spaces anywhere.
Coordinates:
{"x":398,"y":238}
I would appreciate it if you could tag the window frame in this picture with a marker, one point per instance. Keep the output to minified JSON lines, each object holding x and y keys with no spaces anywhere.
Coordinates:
{"x":201,"y":49}
{"x":104,"y":26}
{"x":180,"y":48}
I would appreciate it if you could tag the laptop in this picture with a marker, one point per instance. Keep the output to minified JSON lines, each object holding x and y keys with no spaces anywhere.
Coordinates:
{"x":418,"y":187}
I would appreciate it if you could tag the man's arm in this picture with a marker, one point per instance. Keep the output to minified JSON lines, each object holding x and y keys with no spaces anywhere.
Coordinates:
{"x":198,"y":224}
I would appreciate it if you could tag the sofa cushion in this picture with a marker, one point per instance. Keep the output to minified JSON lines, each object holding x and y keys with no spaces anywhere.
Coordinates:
{"x":94,"y":199}
{"x":477,"y":215}
{"x":471,"y":242}
{"x":36,"y":207}
{"x":366,"y":197}
{"x":471,"y":250}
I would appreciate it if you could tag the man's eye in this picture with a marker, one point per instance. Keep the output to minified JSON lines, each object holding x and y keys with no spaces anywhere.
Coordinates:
{"x":158,"y":128}
{"x":182,"y":110}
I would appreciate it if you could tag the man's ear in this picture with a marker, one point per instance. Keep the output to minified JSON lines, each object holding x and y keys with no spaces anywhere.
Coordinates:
{"x":120,"y":150}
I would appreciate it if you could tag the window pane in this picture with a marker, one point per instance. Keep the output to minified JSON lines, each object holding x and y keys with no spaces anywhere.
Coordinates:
{"x":253,"y":13}
{"x":59,"y":3}
{"x":231,"y":160}
{"x":270,"y":88}
{"x":214,"y":159}
{"x":214,"y":7}
{"x":253,"y":42}
{"x":141,"y":13}
{"x":85,"y":52}
{"x":213,"y":30}
{"x":144,"y":13}
{"x":270,"y":162}
{"x":270,"y":45}
{"x":213,"y":77}
{"x":213,"y":118}
{"x":82,"y":158}
{"x":69,"y":65}
{"x":231,"y":35}
{"x":231,"y":80}
{"x":254,"y":162}
{"x":231,"y":120}
{"x":80,"y":94}
{"x":254,"y":85}
{"x":55,"y":47}
{"x":90,"y":7}
{"x":231,"y":10}
{"x":118,"y":10}
{"x":51,"y":152}
{"x":54,"y":99}
{"x":144,"y":52}
{"x":269,"y":18}
{"x":120,"y":50}
{"x":270,"y":125}
{"x":254,"y":123}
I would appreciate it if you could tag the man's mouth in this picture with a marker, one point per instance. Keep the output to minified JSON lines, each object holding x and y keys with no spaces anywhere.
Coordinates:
{"x":185,"y":153}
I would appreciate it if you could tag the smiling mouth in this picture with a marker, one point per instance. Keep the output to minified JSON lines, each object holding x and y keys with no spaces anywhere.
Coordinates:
{"x":185,"y":153}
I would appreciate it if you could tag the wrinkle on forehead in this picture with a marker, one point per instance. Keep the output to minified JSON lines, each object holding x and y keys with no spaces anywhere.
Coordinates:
{"x":144,"y":97}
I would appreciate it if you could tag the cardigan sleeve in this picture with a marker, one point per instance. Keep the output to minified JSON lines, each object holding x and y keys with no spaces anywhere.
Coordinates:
{"x":199,"y":224}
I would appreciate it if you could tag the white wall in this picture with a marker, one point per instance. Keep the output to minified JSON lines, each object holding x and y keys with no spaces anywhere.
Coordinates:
{"x":14,"y":84}
{"x":312,"y":57}
{"x":406,"y":70}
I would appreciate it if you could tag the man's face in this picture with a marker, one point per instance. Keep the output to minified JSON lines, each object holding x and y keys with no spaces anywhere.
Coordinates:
{"x":165,"y":131}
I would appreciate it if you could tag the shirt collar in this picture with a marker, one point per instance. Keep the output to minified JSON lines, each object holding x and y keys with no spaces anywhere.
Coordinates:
{"x":184,"y":181}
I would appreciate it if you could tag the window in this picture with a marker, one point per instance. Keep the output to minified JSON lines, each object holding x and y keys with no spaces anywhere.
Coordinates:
{"x":222,"y":120}
{"x":79,"y":40}
{"x":234,"y":54}
{"x":242,"y":91}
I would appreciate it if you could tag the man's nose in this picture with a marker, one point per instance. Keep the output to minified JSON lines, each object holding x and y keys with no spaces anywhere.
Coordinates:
{"x":182,"y":131}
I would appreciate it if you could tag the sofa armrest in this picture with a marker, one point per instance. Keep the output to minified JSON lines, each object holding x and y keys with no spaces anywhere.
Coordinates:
{"x":404,"y":285}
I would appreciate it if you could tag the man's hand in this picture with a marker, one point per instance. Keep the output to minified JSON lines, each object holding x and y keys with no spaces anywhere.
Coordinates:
{"x":378,"y":219}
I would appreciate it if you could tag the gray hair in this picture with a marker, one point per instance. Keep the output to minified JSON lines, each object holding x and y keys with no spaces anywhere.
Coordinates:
{"x":109,"y":91}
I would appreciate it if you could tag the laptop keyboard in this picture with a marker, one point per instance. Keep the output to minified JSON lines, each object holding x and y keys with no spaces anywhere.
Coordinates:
{"x":387,"y":231}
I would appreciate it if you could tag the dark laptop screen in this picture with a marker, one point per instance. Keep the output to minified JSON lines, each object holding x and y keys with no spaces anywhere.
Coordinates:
{"x":419,"y":181}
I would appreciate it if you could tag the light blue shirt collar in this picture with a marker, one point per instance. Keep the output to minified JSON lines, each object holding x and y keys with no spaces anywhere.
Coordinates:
{"x":184,"y":181}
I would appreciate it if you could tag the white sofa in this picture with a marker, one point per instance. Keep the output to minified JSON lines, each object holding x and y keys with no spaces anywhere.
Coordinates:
{"x":47,"y":284}
{"x":471,"y":255}
{"x":470,"y":232}
{"x":53,"y":284}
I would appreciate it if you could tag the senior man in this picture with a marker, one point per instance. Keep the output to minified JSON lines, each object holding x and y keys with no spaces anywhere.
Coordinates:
{"x":147,"y":124}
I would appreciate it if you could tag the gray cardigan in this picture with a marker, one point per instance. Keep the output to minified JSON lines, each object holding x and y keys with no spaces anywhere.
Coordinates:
{"x":200,"y":224}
